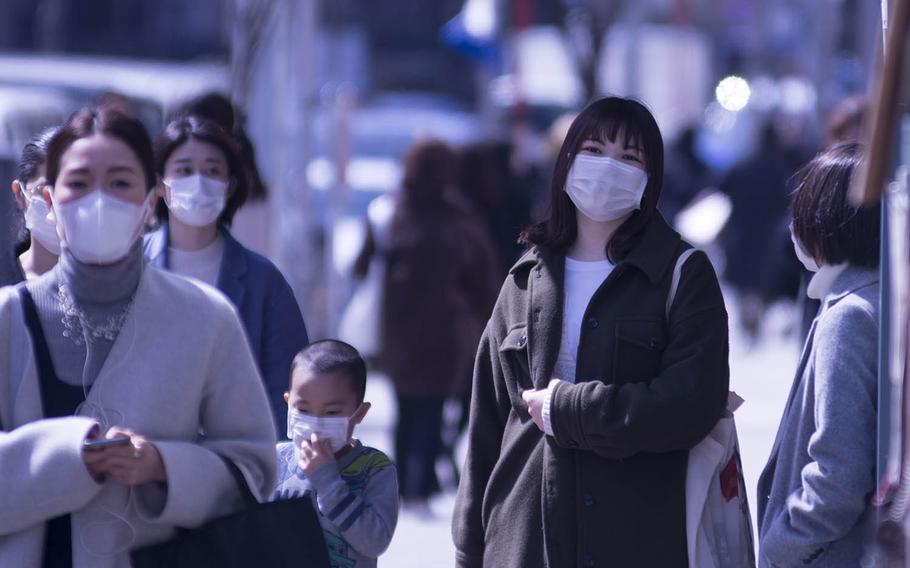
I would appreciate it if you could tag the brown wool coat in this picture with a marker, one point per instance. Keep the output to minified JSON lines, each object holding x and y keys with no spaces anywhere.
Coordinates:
{"x":440,"y":286}
{"x":609,"y":488}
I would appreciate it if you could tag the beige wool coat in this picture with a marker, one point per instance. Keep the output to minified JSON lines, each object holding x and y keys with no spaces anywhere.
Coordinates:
{"x":180,"y":366}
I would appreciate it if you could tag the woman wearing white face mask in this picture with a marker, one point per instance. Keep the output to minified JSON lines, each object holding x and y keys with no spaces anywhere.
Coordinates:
{"x":588,"y":390}
{"x":109,"y":383}
{"x":28,"y":188}
{"x":204,"y":184}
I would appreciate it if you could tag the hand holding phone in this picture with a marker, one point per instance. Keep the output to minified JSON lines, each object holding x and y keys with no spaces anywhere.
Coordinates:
{"x":95,"y":444}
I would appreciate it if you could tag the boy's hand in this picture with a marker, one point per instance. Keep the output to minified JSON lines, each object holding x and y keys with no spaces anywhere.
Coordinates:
{"x":315,"y":453}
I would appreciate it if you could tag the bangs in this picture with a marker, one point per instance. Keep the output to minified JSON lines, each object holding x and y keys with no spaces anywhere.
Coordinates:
{"x":612,"y":127}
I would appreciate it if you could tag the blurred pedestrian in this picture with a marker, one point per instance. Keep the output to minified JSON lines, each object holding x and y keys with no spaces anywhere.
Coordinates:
{"x":440,"y":272}
{"x":204,"y":184}
{"x":686,"y":175}
{"x":116,"y":370}
{"x":42,"y":246}
{"x":814,"y":494}
{"x":588,"y":392}
{"x":756,"y":265}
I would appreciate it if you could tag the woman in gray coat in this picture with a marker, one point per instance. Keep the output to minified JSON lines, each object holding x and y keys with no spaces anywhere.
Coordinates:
{"x":813,"y":496}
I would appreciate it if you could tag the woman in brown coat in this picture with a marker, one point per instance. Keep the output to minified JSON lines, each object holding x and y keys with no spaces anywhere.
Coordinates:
{"x":440,"y":274}
{"x":588,"y":390}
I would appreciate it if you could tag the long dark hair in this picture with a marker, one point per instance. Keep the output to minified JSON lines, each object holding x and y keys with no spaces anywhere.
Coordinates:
{"x":180,"y":131}
{"x":604,"y":118}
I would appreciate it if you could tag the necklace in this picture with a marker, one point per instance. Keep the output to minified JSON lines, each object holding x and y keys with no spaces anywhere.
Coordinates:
{"x":77,"y":326}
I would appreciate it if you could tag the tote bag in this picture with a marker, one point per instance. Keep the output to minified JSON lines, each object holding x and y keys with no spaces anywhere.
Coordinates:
{"x":277,"y":534}
{"x":718,"y":522}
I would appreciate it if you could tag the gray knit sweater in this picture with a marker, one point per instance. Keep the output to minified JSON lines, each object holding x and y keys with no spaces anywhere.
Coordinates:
{"x":100,"y":292}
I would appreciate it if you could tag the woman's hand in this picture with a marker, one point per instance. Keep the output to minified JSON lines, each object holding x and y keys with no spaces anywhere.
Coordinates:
{"x":314,"y":453}
{"x":135,"y":463}
{"x":535,"y":399}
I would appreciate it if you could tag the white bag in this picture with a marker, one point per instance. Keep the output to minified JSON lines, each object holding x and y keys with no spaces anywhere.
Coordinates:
{"x":718,"y":522}
{"x":360,"y":322}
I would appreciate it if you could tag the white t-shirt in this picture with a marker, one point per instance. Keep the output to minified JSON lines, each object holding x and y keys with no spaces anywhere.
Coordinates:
{"x":203,"y":264}
{"x":583,"y":278}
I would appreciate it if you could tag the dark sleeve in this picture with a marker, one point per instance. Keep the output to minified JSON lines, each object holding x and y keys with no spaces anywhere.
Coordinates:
{"x":674,"y":410}
{"x":367,"y":250}
{"x":489,"y":411}
{"x":284,"y":334}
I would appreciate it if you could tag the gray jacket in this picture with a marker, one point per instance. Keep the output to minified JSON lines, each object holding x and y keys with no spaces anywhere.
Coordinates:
{"x":814,"y":494}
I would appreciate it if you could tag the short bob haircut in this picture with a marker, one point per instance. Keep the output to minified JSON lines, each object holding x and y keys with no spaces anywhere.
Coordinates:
{"x":188,"y":128}
{"x":603,"y":119}
{"x":108,"y":122}
{"x":331,"y":356}
{"x":829,"y":228}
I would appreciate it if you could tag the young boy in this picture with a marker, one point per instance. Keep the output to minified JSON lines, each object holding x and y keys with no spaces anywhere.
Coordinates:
{"x":354,"y":487}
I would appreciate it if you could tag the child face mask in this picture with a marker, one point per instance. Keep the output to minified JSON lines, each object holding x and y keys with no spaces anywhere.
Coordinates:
{"x":332,"y":428}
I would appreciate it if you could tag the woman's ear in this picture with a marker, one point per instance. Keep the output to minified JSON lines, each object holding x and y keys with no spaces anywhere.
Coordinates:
{"x":18,"y":194}
{"x":46,"y":194}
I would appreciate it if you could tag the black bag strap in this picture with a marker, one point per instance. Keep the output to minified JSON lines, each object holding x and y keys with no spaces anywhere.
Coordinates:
{"x":248,"y":498}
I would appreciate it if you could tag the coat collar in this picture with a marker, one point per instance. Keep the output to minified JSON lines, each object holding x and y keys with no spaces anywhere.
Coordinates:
{"x":851,"y":279}
{"x":234,"y":264}
{"x":653,"y":254}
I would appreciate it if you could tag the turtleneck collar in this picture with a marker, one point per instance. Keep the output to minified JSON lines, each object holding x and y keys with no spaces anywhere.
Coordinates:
{"x":823,"y":280}
{"x":101,"y":283}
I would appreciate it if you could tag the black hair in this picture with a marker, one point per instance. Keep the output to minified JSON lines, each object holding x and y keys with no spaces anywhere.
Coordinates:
{"x":34,"y":155}
{"x":333,"y":356}
{"x":106,"y":121}
{"x":603,"y":119}
{"x":828,"y":226}
{"x":180,"y":131}
{"x":218,"y":107}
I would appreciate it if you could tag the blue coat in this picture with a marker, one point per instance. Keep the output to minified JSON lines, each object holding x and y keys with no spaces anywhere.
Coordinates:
{"x":814,"y":494}
{"x":267,"y":308}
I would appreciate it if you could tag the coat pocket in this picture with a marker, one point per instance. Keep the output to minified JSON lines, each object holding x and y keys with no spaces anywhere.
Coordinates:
{"x":638,"y":349}
{"x":516,"y":364}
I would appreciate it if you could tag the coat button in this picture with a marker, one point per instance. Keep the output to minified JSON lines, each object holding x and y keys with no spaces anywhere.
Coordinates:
{"x":653,"y":343}
{"x":589,"y":501}
{"x":522,"y":340}
{"x":593,"y":322}
{"x":589,"y":560}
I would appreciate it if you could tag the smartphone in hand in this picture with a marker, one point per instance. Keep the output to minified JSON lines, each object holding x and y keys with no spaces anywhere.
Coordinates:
{"x":95,"y":444}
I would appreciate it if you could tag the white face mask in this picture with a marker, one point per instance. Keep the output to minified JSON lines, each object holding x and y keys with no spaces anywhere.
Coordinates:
{"x":41,"y":228}
{"x":196,"y":200}
{"x":99,"y":228}
{"x":332,"y":428}
{"x":605,"y":189}
{"x":802,"y":255}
